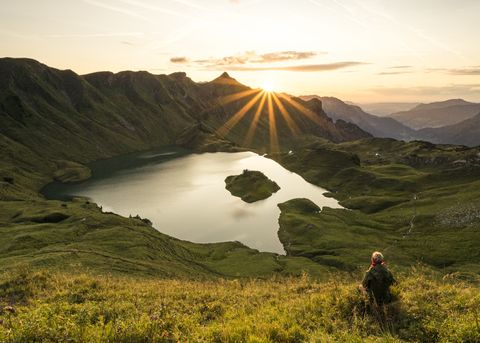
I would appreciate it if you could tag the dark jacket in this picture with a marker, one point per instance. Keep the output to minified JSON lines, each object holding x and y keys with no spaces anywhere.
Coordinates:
{"x":377,"y":282}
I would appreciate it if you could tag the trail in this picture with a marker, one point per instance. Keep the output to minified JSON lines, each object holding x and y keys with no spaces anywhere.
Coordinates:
{"x":411,"y":225}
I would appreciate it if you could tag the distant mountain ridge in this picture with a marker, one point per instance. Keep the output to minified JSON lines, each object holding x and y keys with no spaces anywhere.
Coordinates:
{"x":466,"y":132}
{"x":385,"y":109}
{"x":437,"y":114}
{"x":377,"y":126}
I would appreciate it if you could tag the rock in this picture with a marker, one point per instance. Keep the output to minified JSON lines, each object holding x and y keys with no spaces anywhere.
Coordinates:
{"x":9,"y":309}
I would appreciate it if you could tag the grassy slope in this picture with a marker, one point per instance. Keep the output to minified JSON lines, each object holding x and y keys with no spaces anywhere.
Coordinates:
{"x":84,"y":308}
{"x":78,"y":236}
{"x":251,"y":186}
{"x":379,"y":183}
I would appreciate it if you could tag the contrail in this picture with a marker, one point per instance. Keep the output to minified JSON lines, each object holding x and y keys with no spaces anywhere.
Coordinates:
{"x":154,"y":8}
{"x":117,"y":9}
{"x":190,"y":4}
{"x":93,"y":35}
{"x":415,"y":31}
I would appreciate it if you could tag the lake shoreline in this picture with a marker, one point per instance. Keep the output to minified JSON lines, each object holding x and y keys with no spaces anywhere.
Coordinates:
{"x":237,"y":218}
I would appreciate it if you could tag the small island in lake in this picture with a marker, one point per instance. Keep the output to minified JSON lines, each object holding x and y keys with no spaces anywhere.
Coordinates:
{"x":251,"y":186}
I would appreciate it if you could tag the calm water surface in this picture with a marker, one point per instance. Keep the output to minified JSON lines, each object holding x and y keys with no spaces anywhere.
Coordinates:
{"x":184,"y":195}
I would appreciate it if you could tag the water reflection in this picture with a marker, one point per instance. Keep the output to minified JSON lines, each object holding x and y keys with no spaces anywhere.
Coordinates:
{"x":185,"y":197}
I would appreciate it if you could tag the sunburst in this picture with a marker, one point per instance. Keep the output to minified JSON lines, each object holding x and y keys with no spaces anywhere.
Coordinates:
{"x":268,"y":86}
{"x":274,"y":102}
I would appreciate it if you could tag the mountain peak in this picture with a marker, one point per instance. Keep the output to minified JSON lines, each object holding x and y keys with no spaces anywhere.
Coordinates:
{"x":225,"y":76}
{"x":226,"y":79}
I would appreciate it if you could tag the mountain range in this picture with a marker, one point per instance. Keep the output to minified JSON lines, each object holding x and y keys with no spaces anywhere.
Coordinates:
{"x":466,"y":132}
{"x":385,"y":109}
{"x":51,"y":116}
{"x":377,"y":126}
{"x":437,"y":114}
{"x":465,"y":116}
{"x":55,"y":122}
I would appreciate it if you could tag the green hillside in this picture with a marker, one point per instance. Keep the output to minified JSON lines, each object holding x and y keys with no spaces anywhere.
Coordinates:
{"x":418,"y":201}
{"x":84,"y":308}
{"x":54,"y":117}
{"x":55,"y":122}
{"x":70,"y":272}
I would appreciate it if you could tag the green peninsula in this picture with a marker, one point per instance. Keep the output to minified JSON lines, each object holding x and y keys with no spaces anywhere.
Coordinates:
{"x":251,"y":186}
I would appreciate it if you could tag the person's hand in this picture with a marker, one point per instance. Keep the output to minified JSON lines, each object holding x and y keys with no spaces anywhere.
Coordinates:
{"x":361,"y":289}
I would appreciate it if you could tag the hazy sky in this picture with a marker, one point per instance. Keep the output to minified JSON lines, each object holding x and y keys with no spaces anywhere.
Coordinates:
{"x":358,"y":50}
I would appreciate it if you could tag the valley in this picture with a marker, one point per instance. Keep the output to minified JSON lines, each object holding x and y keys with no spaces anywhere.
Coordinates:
{"x":374,"y":178}
{"x":343,"y":193}
{"x":239,"y":171}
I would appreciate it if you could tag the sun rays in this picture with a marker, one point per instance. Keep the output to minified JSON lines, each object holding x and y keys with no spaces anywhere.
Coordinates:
{"x":268,"y":105}
{"x":253,"y":125}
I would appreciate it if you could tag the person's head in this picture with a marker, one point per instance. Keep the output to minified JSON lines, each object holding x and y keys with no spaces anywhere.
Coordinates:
{"x":377,"y":258}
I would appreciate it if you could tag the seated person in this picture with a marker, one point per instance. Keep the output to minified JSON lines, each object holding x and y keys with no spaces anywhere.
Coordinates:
{"x":377,"y":280}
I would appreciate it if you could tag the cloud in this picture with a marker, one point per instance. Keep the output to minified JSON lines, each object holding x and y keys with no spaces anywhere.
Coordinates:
{"x":252,"y":61}
{"x":285,"y":56}
{"x":452,"y":90}
{"x":473,"y":70}
{"x":252,"y":57}
{"x":465,"y":71}
{"x":300,"y":68}
{"x":394,"y":72}
{"x":179,"y":60}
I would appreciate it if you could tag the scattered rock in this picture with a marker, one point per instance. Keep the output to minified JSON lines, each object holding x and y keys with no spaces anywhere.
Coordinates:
{"x":9,"y":309}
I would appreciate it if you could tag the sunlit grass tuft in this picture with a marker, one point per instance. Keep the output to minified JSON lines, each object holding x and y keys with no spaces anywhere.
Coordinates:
{"x":122,"y":309}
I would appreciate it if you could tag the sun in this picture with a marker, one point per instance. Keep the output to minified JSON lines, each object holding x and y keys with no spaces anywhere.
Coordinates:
{"x":268,"y":86}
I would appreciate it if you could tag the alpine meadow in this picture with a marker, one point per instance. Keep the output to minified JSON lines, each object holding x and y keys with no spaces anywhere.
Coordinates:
{"x":239,"y":171}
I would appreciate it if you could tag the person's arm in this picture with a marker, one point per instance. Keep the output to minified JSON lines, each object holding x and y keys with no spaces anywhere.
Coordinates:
{"x":391,"y":280}
{"x":366,"y":279}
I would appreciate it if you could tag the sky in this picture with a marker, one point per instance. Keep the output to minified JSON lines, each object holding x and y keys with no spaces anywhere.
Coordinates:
{"x":357,"y":50}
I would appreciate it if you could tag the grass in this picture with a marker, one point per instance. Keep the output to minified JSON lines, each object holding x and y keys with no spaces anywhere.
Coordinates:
{"x":69,"y":172}
{"x":251,"y":186}
{"x":77,"y":234}
{"x":59,"y":307}
{"x":408,"y":199}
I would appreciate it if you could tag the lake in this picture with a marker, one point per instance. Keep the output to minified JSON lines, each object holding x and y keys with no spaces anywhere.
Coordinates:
{"x":184,"y":194}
